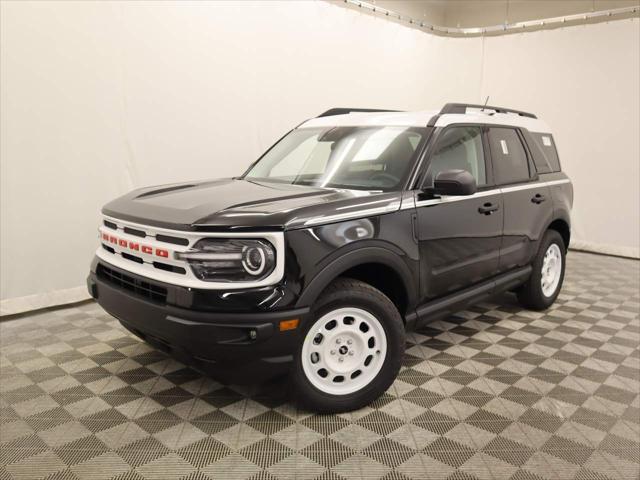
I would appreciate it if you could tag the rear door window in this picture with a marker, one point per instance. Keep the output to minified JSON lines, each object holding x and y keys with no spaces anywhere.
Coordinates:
{"x":510,"y":163}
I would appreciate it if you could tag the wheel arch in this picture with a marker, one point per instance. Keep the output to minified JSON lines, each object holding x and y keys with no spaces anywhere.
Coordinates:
{"x":562,"y":226}
{"x":377,"y":266}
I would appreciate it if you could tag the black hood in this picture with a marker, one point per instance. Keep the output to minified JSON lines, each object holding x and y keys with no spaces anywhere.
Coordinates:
{"x":230,"y":204}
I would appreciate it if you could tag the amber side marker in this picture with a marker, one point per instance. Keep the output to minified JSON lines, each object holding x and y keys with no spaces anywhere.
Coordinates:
{"x":289,"y":324}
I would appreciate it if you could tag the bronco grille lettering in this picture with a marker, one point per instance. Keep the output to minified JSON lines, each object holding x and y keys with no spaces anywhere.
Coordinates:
{"x":149,"y":250}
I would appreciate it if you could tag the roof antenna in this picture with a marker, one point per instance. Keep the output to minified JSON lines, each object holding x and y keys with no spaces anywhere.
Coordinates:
{"x":485,"y":103}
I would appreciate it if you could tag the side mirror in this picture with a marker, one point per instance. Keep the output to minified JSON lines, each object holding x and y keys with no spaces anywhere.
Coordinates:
{"x":454,"y":182}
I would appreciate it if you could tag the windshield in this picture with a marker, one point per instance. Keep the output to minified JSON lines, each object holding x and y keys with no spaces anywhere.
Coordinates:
{"x":370,"y":158}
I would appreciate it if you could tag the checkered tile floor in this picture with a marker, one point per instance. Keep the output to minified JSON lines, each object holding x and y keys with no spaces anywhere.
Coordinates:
{"x":495,"y":392}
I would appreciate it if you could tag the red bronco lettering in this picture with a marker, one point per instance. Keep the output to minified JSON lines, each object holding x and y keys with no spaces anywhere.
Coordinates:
{"x":129,"y":245}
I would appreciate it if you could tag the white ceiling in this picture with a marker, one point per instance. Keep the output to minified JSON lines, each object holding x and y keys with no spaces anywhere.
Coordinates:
{"x":483,"y":13}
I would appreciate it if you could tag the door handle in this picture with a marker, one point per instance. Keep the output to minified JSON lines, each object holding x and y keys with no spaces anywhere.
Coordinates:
{"x":488,"y":208}
{"x":538,"y":198}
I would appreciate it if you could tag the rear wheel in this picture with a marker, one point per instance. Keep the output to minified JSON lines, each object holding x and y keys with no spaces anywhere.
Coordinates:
{"x":351,"y":352}
{"x":544,"y":285}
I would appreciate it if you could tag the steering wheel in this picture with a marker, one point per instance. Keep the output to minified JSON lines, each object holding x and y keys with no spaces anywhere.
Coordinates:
{"x":385,"y":179}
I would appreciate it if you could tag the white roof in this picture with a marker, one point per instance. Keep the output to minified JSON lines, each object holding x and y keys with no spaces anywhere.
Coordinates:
{"x":421,"y":119}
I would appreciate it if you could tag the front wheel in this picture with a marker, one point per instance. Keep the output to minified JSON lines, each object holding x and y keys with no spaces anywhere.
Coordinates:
{"x":544,"y":285}
{"x":352,"y":350}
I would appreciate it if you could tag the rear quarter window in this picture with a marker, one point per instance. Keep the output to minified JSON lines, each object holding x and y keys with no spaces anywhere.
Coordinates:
{"x":545,"y":155}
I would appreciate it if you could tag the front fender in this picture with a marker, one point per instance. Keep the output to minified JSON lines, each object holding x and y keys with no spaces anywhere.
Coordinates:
{"x":354,"y":255}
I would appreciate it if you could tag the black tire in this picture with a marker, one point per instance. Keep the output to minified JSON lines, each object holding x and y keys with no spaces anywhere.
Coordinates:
{"x":530,"y":295}
{"x":346,"y":292}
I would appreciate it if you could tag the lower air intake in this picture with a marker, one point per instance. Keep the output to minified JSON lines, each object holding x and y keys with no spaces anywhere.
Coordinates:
{"x":131,"y":284}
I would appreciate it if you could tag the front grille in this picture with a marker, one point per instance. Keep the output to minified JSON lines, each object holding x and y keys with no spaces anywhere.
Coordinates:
{"x":126,"y":282}
{"x":133,"y":258}
{"x":170,"y":239}
{"x":130,"y":248}
{"x":169,"y":268}
{"x":135,"y":232}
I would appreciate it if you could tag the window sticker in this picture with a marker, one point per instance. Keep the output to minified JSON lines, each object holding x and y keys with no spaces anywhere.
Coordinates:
{"x":503,"y":144}
{"x":546,"y":141}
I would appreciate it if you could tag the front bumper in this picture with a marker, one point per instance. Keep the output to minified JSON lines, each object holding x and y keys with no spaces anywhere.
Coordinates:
{"x":233,"y":347}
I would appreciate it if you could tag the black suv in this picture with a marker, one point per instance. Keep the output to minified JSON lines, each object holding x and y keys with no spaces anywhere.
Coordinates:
{"x":353,"y":228}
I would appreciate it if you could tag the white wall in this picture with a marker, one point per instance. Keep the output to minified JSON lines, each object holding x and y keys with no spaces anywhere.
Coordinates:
{"x":584,"y":81}
{"x":101,"y":97}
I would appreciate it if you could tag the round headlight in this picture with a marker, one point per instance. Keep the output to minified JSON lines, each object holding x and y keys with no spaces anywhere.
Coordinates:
{"x":254,"y":259}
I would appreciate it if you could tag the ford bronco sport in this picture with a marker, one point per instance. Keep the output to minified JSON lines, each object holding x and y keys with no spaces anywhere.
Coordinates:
{"x":355,"y":227}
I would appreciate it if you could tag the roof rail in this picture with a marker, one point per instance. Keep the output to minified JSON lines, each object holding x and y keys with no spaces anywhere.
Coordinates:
{"x":342,"y":111}
{"x":462,"y":108}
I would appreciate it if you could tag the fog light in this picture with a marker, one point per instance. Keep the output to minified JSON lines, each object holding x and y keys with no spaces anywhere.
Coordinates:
{"x":253,"y":334}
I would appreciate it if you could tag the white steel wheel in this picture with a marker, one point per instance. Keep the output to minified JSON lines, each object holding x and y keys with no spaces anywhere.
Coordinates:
{"x":344,"y":351}
{"x":551,"y":270}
